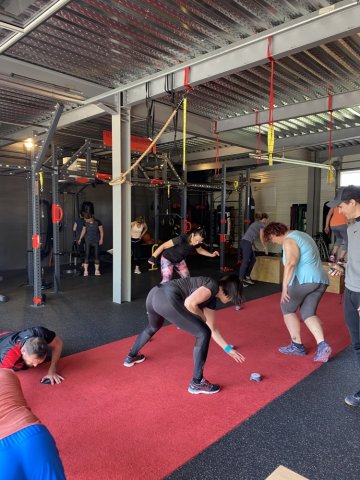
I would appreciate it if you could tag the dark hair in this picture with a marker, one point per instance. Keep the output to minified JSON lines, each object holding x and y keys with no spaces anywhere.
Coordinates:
{"x":232,"y":287}
{"x":139,"y":219}
{"x":261,"y":216}
{"x":198,"y":231}
{"x":87,"y":208}
{"x":274,"y":228}
{"x":36,"y":346}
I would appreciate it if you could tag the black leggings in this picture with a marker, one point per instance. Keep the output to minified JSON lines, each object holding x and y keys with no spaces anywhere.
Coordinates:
{"x":96,"y":252}
{"x":164,"y":303}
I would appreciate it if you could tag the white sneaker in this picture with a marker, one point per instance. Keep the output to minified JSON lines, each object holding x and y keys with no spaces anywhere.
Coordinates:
{"x":97,"y":273}
{"x":137,"y":270}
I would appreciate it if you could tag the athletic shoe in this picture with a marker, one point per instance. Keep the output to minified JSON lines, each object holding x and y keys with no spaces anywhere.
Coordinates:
{"x":323,"y":352}
{"x":137,"y":270}
{"x":86,"y":274}
{"x":249,"y":281}
{"x":203,"y":387}
{"x":332,"y":258}
{"x":97,"y":274}
{"x":245,"y":285}
{"x":293,"y":349}
{"x":353,"y":400}
{"x":130,"y":361}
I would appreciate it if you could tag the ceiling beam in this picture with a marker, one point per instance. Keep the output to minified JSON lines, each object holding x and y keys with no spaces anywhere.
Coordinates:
{"x":322,"y":26}
{"x":12,"y":66}
{"x":210,"y":154}
{"x":340,"y":152}
{"x":68,"y":118}
{"x":313,"y":139}
{"x":310,"y":107}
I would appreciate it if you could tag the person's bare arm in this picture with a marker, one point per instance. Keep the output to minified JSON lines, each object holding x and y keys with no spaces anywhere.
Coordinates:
{"x":204,"y":252}
{"x":56,"y":349}
{"x":217,"y":336}
{"x":101,"y":230}
{"x":261,"y":235}
{"x":292,"y":255}
{"x":160,"y":249}
{"x":327,"y":221}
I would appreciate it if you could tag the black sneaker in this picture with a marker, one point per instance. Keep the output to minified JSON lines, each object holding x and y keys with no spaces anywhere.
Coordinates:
{"x":353,"y":400}
{"x":203,"y":387}
{"x":130,"y":361}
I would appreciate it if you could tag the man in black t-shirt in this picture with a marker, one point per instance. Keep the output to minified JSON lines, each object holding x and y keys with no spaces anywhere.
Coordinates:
{"x":29,"y":348}
{"x":189,"y":303}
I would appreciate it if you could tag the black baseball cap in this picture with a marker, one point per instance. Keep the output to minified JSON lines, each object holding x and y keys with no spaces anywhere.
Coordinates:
{"x":343,"y":194}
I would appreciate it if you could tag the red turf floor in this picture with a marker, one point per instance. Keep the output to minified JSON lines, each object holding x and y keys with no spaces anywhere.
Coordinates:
{"x":112,"y":422}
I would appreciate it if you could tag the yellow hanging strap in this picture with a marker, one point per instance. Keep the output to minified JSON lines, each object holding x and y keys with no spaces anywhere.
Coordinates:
{"x":271,"y":143}
{"x":41,"y":180}
{"x":271,"y":128}
{"x":184,"y":132}
{"x":168,"y":190}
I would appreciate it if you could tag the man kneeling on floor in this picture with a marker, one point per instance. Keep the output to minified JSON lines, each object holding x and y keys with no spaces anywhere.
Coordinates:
{"x":29,"y":348}
{"x":27,"y":449}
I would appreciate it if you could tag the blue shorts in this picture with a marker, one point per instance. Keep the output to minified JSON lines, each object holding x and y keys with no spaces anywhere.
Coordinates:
{"x":30,"y":454}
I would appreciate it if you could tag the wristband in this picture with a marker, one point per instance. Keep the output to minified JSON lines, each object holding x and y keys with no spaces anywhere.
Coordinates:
{"x":153,"y":259}
{"x":228,"y":348}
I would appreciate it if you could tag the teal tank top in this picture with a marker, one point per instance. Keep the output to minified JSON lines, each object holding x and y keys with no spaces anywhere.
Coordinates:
{"x":309,"y":269}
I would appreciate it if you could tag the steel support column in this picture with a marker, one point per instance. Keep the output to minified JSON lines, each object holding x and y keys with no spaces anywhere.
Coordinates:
{"x":313,"y":199}
{"x":240,"y":215}
{"x":184,"y":200}
{"x":56,"y":227}
{"x":121,"y":158}
{"x":223,"y":220}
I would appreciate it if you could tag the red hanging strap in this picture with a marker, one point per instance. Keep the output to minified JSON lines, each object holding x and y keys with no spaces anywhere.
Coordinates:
{"x":186,"y":78}
{"x":271,"y":100}
{"x":330,"y":126}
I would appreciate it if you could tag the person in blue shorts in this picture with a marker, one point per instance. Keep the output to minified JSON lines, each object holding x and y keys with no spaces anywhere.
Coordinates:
{"x":27,"y":449}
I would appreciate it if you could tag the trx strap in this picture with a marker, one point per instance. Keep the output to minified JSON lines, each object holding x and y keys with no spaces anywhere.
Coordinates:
{"x":258,"y":158}
{"x":271,"y":129}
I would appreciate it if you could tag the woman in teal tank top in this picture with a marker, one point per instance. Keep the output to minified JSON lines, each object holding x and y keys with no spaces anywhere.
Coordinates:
{"x":304,"y":283}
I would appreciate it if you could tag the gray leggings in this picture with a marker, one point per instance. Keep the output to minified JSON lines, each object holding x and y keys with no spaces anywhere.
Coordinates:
{"x":341,"y":238}
{"x":165,"y":303}
{"x":306,"y":296}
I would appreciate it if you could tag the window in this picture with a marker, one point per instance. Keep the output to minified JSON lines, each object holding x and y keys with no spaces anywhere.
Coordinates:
{"x":349,"y":177}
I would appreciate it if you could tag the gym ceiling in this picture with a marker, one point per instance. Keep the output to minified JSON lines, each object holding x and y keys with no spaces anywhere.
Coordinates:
{"x":89,"y":54}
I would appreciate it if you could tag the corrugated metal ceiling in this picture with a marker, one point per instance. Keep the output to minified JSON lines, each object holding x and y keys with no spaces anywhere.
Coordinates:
{"x":114,"y":42}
